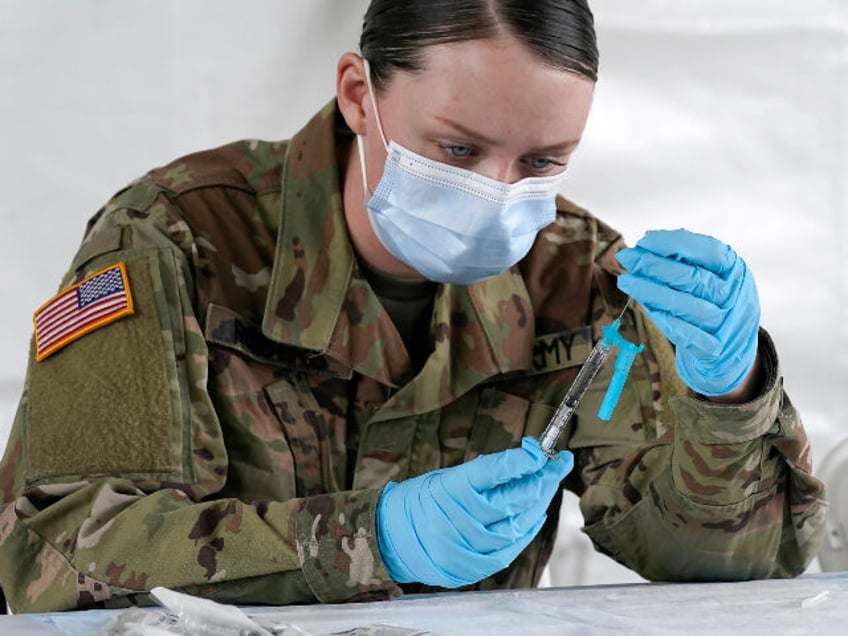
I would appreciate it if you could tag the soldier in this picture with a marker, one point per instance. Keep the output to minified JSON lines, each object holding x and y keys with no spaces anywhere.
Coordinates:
{"x":314,"y":370}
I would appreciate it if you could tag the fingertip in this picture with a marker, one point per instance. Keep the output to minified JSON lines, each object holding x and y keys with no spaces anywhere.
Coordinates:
{"x":626,"y":257}
{"x":625,"y":283}
{"x":567,"y":459}
{"x":532,"y":446}
{"x":528,"y":442}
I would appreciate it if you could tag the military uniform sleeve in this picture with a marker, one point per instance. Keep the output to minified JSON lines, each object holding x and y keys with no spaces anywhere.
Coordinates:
{"x":711,"y":492}
{"x":112,"y":478}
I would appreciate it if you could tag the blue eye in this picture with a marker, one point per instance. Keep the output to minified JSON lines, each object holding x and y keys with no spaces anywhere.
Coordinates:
{"x":543,"y":164}
{"x":456,"y":151}
{"x":540,"y":163}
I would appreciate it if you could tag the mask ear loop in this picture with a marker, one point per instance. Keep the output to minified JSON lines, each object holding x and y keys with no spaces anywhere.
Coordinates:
{"x":374,"y":102}
{"x":359,"y":145}
{"x":361,"y":150}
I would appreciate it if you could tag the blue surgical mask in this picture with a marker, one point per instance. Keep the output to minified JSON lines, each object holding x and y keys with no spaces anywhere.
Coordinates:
{"x":450,"y":224}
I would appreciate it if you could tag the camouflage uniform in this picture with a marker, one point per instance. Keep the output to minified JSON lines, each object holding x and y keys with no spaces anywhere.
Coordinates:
{"x":231,"y":437}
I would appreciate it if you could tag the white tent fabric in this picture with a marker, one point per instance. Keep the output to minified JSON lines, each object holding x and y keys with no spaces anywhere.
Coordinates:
{"x":724,"y":116}
{"x":833,"y":556}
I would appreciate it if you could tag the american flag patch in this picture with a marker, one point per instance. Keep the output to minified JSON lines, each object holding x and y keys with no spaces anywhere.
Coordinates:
{"x":98,"y":300}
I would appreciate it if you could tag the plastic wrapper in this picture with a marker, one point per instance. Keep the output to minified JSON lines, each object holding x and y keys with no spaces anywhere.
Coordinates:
{"x":186,"y":615}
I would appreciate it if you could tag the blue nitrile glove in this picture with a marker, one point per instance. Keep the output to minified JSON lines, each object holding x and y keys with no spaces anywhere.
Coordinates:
{"x":456,"y":526}
{"x":702,"y":296}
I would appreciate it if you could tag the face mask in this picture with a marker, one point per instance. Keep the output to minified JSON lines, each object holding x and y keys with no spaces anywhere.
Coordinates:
{"x":450,"y":224}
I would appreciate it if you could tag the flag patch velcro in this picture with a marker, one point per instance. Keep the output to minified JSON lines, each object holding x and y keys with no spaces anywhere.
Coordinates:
{"x":96,"y":301}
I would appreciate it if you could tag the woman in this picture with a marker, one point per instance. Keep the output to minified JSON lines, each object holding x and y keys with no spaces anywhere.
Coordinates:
{"x":315,"y":369}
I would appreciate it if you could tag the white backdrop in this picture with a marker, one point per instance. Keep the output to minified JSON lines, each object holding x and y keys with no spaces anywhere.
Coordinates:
{"x":724,"y":116}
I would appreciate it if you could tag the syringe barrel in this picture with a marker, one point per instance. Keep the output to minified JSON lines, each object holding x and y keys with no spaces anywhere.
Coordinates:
{"x":565,"y":410}
{"x":548,"y":439}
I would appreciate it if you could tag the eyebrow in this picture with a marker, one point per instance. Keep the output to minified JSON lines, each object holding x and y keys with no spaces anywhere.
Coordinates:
{"x":553,"y":148}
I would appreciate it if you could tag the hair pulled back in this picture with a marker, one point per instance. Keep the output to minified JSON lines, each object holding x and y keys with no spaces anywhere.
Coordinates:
{"x":395,"y":32}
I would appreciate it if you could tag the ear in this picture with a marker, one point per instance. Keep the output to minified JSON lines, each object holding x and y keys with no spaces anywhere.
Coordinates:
{"x":352,"y":91}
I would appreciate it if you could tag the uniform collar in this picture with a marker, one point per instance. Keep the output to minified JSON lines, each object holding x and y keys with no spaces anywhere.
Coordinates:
{"x":304,"y":300}
{"x":318,"y":298}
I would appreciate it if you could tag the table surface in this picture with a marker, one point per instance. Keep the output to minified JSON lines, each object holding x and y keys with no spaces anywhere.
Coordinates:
{"x":810,"y":604}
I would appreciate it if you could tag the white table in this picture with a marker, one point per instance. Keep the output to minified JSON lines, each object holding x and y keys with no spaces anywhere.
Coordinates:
{"x":812,"y":604}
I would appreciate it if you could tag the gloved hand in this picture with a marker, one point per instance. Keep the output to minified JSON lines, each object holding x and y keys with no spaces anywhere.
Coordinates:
{"x":456,"y":526}
{"x":702,"y":296}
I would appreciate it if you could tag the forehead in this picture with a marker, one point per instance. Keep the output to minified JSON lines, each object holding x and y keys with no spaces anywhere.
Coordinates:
{"x":493,"y":85}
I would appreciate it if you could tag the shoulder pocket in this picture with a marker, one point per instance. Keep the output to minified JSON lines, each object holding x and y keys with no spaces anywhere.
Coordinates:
{"x":116,"y":401}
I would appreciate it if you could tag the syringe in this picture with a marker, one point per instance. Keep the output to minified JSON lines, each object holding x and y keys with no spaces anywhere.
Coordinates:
{"x":587,"y":373}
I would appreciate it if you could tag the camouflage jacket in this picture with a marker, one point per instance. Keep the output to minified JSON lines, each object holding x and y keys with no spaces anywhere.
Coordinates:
{"x":231,"y":436}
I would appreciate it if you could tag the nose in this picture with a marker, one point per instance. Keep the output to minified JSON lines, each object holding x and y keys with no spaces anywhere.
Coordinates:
{"x":502,"y":170}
